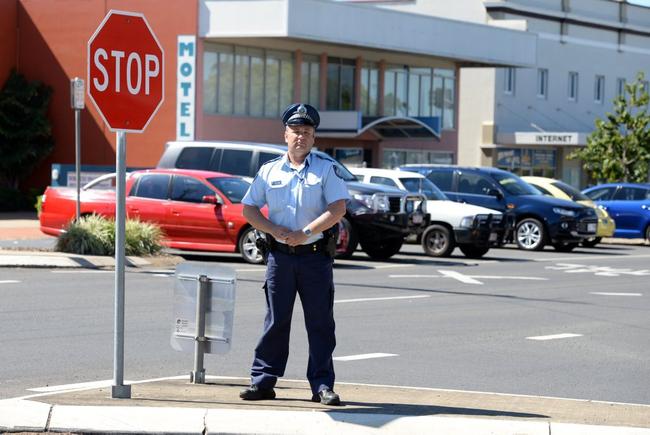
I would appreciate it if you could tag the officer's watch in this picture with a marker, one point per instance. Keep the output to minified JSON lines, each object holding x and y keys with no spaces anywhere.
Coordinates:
{"x":306,"y":231}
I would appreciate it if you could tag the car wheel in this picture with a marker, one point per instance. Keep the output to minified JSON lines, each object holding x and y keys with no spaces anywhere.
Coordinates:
{"x":591,"y":242}
{"x":565,"y":246}
{"x":437,"y":241}
{"x":347,"y":241}
{"x":647,"y":233}
{"x":530,"y":235}
{"x":382,"y":249}
{"x":248,"y":248}
{"x":472,"y":251}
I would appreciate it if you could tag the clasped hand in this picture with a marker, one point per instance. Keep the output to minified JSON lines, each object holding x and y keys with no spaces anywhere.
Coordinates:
{"x":291,"y":238}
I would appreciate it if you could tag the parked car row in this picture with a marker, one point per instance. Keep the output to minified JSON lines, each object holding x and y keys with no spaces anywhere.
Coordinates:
{"x":195,"y":196}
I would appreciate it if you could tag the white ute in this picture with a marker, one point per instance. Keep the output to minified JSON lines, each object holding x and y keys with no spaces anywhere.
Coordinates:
{"x":472,"y":228}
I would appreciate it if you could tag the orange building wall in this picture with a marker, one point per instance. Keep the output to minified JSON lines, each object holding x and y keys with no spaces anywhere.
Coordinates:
{"x":8,"y":38}
{"x":53,"y":48}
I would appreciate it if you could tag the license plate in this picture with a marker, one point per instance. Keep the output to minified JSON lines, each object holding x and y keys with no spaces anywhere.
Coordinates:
{"x":418,"y":218}
{"x":591,"y":228}
{"x":493,"y":237}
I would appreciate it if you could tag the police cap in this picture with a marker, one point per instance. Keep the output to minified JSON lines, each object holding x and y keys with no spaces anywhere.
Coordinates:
{"x":301,"y":114}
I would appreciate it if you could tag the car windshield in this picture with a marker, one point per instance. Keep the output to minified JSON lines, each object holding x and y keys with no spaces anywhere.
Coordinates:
{"x":571,"y":191}
{"x":514,"y":185}
{"x":423,"y":186}
{"x":233,"y":188}
{"x":341,"y":170}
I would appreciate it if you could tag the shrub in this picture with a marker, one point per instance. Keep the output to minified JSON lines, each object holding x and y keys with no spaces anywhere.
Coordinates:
{"x":95,"y":235}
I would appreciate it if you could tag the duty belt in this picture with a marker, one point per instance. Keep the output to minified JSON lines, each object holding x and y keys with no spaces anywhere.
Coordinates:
{"x":312,"y":248}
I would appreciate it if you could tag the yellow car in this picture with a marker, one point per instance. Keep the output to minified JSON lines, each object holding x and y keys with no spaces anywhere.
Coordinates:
{"x":559,"y":189}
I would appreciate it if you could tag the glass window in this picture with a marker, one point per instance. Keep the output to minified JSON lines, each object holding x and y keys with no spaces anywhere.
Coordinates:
{"x":543,"y":190}
{"x":602,"y":194}
{"x":265,"y":157}
{"x":189,"y":189}
{"x":423,"y":186}
{"x":573,"y":86}
{"x":194,"y":158}
{"x":236,"y":162}
{"x":444,"y":97}
{"x":630,"y":194}
{"x":477,"y":184}
{"x":515,"y":185}
{"x":340,"y":84}
{"x":232,"y":188}
{"x":401,"y":89}
{"x":599,"y":89}
{"x":449,"y":104}
{"x":542,"y":83}
{"x":310,"y":81}
{"x":154,"y":186}
{"x":369,"y":89}
{"x":620,"y":87}
{"x":383,"y":180}
{"x":442,"y":179}
{"x":570,"y":191}
{"x":247,"y":81}
{"x":509,"y":81}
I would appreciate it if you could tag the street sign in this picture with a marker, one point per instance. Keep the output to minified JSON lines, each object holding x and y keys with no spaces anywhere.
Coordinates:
{"x":125,"y":71}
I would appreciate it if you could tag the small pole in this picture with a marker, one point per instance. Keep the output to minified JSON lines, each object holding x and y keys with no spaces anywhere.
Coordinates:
{"x":119,"y":390}
{"x":77,"y":103}
{"x":198,"y":374}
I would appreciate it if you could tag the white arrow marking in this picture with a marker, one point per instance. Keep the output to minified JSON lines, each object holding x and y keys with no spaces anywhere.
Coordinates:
{"x":460,"y":277}
{"x":553,"y":337}
{"x":468,"y":279}
{"x":364,"y":356}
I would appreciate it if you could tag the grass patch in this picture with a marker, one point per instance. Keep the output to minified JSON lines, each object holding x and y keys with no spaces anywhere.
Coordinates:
{"x":95,"y":235}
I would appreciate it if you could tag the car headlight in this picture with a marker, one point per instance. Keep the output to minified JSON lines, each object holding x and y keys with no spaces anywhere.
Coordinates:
{"x":374,"y":202}
{"x":602,"y":213}
{"x":467,"y":222}
{"x":564,"y":211}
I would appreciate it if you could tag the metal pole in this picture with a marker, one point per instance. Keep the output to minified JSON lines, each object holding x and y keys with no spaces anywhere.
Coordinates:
{"x":119,"y":390}
{"x":77,"y":144}
{"x":198,"y":375}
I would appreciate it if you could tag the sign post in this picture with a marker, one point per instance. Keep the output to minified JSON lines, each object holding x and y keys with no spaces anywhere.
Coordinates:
{"x":125,"y":82}
{"x":77,"y":103}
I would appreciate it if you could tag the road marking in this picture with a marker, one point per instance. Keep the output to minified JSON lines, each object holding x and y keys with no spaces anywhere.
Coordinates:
{"x":77,"y":386}
{"x":82,"y":271}
{"x":9,"y":281}
{"x":391,"y":266}
{"x":363,"y":356}
{"x":615,"y":294}
{"x":344,"y":301}
{"x":468,"y":279}
{"x":597,"y":270}
{"x":553,"y":337}
{"x":593,"y":257}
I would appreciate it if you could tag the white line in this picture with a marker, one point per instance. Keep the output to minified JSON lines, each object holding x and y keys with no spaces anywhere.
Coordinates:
{"x":391,"y":266}
{"x":344,"y":301}
{"x":9,"y":281}
{"x":529,"y":278}
{"x":363,"y":356}
{"x":460,"y":277}
{"x":82,"y":271}
{"x":553,"y":337}
{"x":593,"y":257}
{"x":80,"y":385}
{"x":615,"y":294}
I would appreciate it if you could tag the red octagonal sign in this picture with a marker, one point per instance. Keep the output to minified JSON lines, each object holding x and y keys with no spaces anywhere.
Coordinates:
{"x":125,"y":71}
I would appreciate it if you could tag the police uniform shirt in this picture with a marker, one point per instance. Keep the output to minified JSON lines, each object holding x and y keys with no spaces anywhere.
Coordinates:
{"x":296,"y":196}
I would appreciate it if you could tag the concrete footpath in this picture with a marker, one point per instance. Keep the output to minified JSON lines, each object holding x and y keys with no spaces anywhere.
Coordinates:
{"x":175,"y":406}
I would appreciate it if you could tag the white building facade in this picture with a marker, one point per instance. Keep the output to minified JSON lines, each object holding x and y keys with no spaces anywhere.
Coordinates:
{"x":528,"y":120}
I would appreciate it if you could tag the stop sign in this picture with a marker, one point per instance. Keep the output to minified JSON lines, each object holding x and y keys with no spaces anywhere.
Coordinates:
{"x":125,"y":71}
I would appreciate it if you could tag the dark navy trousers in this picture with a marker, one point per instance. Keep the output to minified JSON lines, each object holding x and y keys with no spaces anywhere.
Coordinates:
{"x":310,"y":276}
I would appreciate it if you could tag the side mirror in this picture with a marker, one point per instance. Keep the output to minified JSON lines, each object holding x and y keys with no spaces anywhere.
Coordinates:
{"x":211,"y":199}
{"x":495,"y":192}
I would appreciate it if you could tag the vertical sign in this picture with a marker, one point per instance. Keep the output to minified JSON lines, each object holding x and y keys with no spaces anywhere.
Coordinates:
{"x":185,"y":87}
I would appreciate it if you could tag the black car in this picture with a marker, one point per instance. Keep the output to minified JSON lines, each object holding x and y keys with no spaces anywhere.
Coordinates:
{"x":377,"y":217}
{"x":539,"y":219}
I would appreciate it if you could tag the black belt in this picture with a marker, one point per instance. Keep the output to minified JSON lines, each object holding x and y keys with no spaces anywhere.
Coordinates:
{"x":312,"y":248}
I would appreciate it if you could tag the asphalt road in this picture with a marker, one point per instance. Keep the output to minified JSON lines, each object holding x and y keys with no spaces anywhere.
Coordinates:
{"x":571,"y":325}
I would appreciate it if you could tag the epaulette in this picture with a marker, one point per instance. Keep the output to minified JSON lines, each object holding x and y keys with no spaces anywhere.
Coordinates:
{"x":271,"y":161}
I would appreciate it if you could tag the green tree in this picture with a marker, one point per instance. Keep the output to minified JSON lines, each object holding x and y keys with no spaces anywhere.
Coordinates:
{"x":619,"y":147}
{"x":25,"y":131}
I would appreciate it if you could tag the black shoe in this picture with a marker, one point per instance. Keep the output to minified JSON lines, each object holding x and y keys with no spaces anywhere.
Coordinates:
{"x":327,"y":397}
{"x":255,"y":393}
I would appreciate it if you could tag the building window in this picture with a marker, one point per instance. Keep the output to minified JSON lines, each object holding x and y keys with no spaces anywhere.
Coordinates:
{"x":509,"y":81}
{"x":369,"y":89}
{"x":573,"y":86}
{"x":310,"y":82}
{"x":599,"y":89}
{"x":395,"y":91}
{"x":620,"y":87}
{"x":542,"y":83}
{"x":444,"y":96}
{"x":340,"y":84}
{"x":393,"y":158}
{"x":246,"y":81}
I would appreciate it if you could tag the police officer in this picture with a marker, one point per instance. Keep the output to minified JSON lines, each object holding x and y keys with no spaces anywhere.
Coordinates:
{"x":305,"y":196}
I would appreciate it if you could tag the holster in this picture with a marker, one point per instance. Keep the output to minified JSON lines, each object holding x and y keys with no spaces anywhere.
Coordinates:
{"x":262,"y":244}
{"x":331,"y":236}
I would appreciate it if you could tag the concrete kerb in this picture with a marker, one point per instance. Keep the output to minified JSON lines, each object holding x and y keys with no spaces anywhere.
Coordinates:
{"x":172,"y":405}
{"x":40,"y":259}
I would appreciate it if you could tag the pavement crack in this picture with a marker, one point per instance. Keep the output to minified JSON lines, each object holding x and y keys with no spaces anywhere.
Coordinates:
{"x":49,"y":418}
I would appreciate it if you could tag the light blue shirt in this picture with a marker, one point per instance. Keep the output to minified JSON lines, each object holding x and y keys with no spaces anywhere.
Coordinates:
{"x":296,"y":197}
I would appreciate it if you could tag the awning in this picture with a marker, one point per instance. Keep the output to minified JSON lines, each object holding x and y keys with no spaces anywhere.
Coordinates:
{"x":350,"y":124}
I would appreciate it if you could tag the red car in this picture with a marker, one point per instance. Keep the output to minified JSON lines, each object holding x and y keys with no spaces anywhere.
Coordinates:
{"x":197,"y":210}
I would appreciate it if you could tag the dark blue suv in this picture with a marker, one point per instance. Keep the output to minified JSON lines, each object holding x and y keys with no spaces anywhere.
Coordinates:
{"x":539,"y":219}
